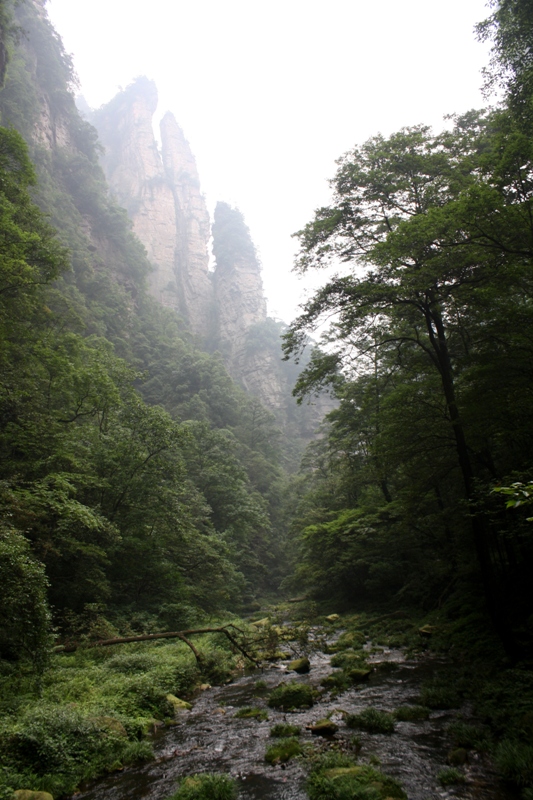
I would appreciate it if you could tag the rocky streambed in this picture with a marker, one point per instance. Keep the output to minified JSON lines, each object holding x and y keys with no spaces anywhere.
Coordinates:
{"x":211,"y":738}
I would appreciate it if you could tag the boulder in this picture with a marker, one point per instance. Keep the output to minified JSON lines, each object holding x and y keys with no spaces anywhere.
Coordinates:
{"x":300,"y":665}
{"x":324,"y":727}
{"x":178,"y":705}
{"x":358,"y":675}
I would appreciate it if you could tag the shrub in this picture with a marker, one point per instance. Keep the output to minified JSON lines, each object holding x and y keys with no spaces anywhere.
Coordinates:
{"x":291,"y":695}
{"x":371,"y":720}
{"x":206,"y":787}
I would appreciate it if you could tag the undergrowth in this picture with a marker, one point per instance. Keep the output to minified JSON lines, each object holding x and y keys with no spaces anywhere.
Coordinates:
{"x":94,"y":710}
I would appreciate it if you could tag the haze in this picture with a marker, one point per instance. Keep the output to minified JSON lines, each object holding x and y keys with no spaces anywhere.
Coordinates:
{"x":270,"y":94}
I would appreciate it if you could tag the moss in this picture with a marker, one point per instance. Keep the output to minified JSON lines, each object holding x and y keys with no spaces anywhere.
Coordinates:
{"x":252,"y":713}
{"x":335,"y":776}
{"x":206,"y":787}
{"x":283,"y":729}
{"x":283,"y":751}
{"x":291,"y":695}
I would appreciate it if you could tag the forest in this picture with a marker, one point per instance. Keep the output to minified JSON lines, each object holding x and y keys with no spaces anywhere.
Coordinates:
{"x":144,"y":491}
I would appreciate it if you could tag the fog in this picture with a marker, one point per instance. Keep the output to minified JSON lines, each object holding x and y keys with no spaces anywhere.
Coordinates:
{"x":270,"y":94}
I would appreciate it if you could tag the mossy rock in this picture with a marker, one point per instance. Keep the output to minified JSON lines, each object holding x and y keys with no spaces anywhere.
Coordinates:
{"x":324,"y":727}
{"x":252,"y":713}
{"x":283,"y":751}
{"x":29,"y":794}
{"x":283,"y":730}
{"x":261,"y":623}
{"x":348,"y":658}
{"x":291,"y":695}
{"x":333,"y":618}
{"x":336,"y":681}
{"x":341,"y":782}
{"x":268,"y":655}
{"x":427,"y":631}
{"x":351,"y":639}
{"x":300,"y":665}
{"x":358,"y":675}
{"x":177,"y":704}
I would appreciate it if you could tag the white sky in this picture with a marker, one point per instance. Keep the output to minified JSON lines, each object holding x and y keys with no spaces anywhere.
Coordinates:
{"x":269,"y":94}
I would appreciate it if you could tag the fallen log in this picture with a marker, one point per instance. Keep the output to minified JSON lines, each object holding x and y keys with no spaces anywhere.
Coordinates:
{"x":149,"y":637}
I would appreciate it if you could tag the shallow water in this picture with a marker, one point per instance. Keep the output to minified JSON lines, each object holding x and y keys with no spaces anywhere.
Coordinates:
{"x":210,"y":739}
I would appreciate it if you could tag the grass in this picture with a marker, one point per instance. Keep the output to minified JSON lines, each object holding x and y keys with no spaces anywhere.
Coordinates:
{"x":252,"y":713}
{"x":335,"y":776}
{"x":209,"y":786}
{"x":94,"y":710}
{"x":292,"y":695}
{"x":372,"y":721}
{"x":283,"y":729}
{"x":283,"y":751}
{"x":450,"y":776}
{"x":411,"y":713}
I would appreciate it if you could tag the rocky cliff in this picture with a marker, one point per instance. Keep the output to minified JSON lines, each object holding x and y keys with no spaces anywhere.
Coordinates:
{"x":161,"y":192}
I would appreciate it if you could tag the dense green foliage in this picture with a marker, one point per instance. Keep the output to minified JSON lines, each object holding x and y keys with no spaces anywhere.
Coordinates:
{"x":430,"y":356}
{"x":143,"y":481}
{"x":94,"y":708}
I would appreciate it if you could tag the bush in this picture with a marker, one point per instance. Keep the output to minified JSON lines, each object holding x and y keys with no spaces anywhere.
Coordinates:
{"x":206,"y":787}
{"x":291,"y":695}
{"x":371,"y":720}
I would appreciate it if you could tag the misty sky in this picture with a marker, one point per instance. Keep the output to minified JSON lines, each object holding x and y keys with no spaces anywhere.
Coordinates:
{"x":269,"y":94}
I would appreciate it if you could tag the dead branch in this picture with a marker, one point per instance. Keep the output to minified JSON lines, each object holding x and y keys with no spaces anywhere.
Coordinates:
{"x":149,"y":637}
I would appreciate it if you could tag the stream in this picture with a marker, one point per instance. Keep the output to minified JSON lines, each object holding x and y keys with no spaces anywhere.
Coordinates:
{"x":210,"y":739}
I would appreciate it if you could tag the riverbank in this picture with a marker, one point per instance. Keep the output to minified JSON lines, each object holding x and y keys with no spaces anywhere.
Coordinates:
{"x":454,"y":713}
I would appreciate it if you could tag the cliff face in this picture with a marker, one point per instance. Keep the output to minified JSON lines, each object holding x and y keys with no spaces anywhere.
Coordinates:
{"x":225,"y":308}
{"x":161,"y":192}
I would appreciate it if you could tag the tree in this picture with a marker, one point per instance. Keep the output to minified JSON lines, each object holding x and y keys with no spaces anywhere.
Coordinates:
{"x":436,"y":230}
